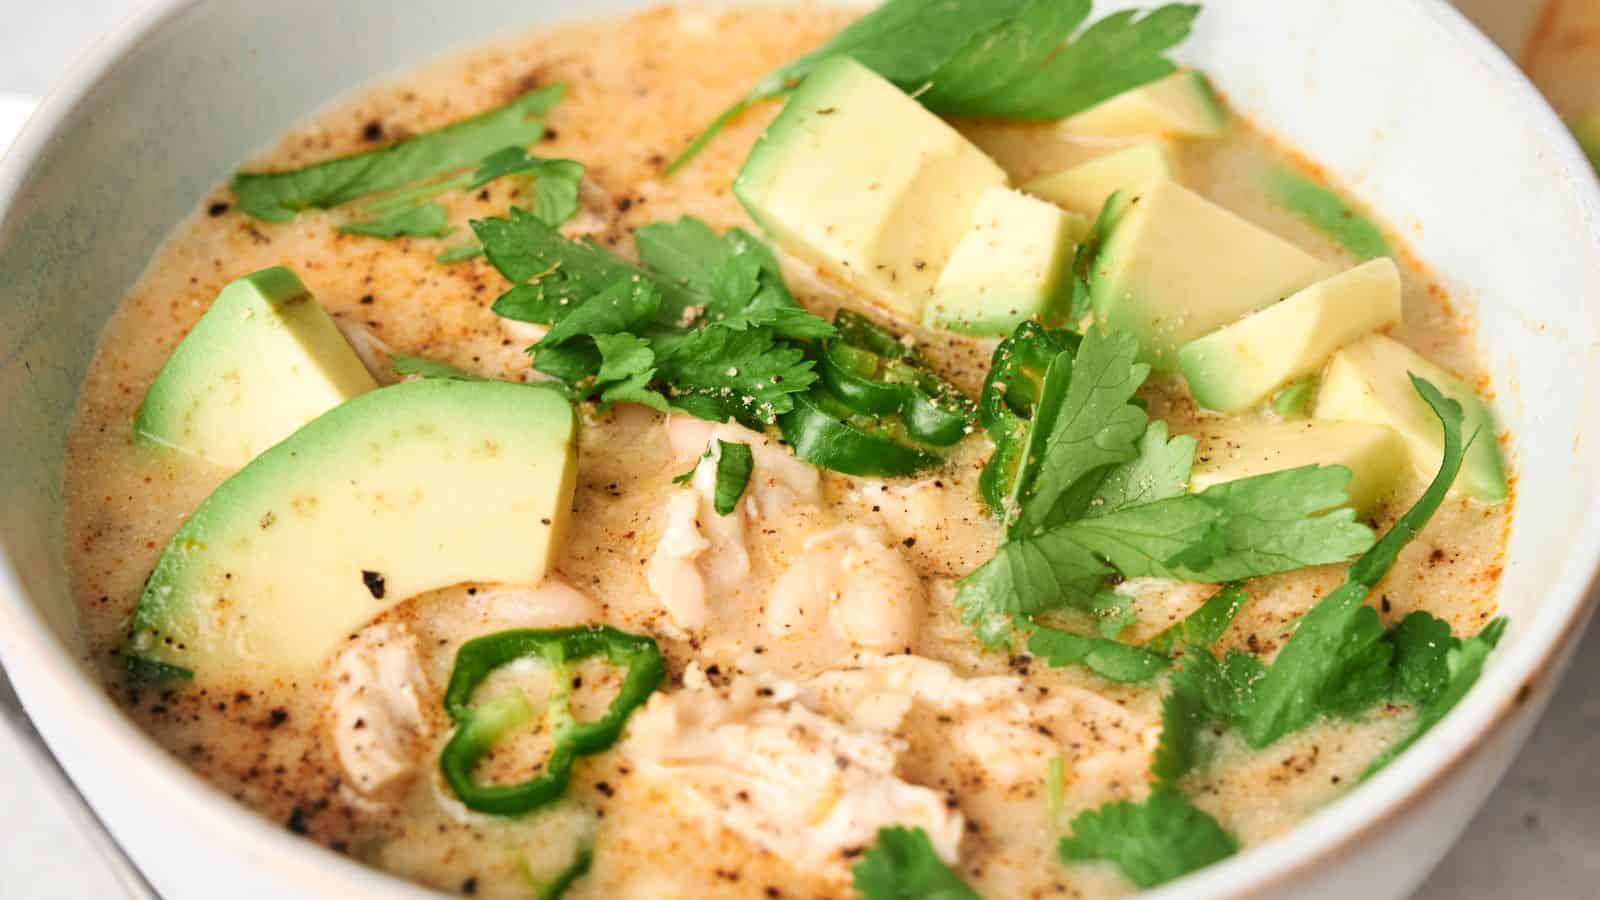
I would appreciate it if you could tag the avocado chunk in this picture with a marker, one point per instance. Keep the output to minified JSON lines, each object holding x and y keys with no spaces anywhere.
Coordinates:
{"x":861,"y":180}
{"x":1085,"y":188}
{"x":262,"y":361}
{"x":1369,"y":381}
{"x":1177,"y":267}
{"x":401,"y":490}
{"x":1587,"y":131}
{"x":1234,"y":369}
{"x":1183,"y":104}
{"x":1014,"y":264}
{"x":1231,"y":449}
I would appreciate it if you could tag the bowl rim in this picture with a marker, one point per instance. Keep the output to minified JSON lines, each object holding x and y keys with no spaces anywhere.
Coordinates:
{"x":54,"y":676}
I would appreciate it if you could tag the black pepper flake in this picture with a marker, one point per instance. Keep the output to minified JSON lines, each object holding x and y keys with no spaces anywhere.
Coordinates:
{"x":470,"y":886}
{"x":297,"y":821}
{"x":373,"y":131}
{"x":910,"y":542}
{"x":367,"y":300}
{"x":277,"y":717}
{"x":374,"y":583}
{"x":605,"y":788}
{"x":216,"y":209}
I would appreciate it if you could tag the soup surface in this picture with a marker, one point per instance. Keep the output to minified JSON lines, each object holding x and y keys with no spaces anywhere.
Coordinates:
{"x":751,"y":770}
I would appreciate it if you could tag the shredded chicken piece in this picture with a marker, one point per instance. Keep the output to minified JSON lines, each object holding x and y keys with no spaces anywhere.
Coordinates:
{"x":702,"y":553}
{"x":852,"y":578}
{"x":752,"y":760}
{"x":369,"y":348}
{"x":553,"y":604}
{"x":379,"y":710}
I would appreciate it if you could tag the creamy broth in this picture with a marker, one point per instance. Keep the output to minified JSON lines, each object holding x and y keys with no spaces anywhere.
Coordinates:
{"x":638,"y":88}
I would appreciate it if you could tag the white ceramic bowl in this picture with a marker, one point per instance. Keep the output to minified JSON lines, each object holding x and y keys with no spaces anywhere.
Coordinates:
{"x":1410,"y":106}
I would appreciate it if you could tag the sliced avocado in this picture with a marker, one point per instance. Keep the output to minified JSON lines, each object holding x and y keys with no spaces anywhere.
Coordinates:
{"x":860,"y":179}
{"x":1369,"y":381}
{"x":1587,"y":131}
{"x":1177,"y":267}
{"x":399,"y":491}
{"x":1014,"y":264}
{"x":1231,"y":449}
{"x":263,"y":361}
{"x":1085,"y":188}
{"x":1234,"y":369}
{"x":1183,"y":104}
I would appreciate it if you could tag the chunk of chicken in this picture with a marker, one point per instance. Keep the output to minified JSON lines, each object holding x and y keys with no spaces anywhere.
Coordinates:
{"x":380,"y":708}
{"x":752,"y":760}
{"x":853,"y":579}
{"x":553,"y":604}
{"x":701,"y":553}
{"x":879,"y":691}
{"x":780,"y":480}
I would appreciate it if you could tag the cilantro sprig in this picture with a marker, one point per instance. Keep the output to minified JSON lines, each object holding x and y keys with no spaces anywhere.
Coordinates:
{"x":1153,"y":842}
{"x":704,"y":326}
{"x":278,"y":196}
{"x":903,"y":865}
{"x":1017,"y":59}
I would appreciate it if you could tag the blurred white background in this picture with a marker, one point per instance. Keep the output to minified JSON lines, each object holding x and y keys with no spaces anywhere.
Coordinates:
{"x":1539,"y":836}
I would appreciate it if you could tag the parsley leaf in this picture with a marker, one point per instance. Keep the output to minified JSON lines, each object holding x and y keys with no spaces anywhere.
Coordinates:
{"x":428,"y":220}
{"x":1003,"y":58}
{"x":735,"y":462}
{"x":1153,"y":842}
{"x":1109,"y":659}
{"x":459,"y":253}
{"x":1339,"y":641}
{"x":1421,"y":645}
{"x":278,"y":196}
{"x":1202,"y":692}
{"x":903,"y":865}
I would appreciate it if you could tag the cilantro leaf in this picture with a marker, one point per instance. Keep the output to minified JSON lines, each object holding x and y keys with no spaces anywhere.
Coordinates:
{"x":1003,"y":58}
{"x":1421,"y":645}
{"x":278,"y":196}
{"x":1159,"y":472}
{"x":459,"y":253}
{"x":1464,"y":662}
{"x":1095,"y":427}
{"x":1206,"y":625}
{"x":735,"y":462}
{"x":903,"y":865}
{"x":555,"y":181}
{"x":1340,"y":639}
{"x":1257,"y":526}
{"x":717,"y":373}
{"x":554,"y":275}
{"x":1046,"y":80}
{"x":735,"y":277}
{"x":428,"y":220}
{"x":1202,"y":692}
{"x":419,"y":367}
{"x":1109,"y":659}
{"x":1153,"y":842}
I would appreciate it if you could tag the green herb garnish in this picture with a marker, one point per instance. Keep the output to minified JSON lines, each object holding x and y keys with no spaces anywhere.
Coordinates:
{"x":1153,"y":842}
{"x":1327,"y":212}
{"x":278,"y":196}
{"x":1111,"y":660}
{"x":735,"y":462}
{"x":419,"y":367}
{"x":1016,"y":59}
{"x":428,"y":220}
{"x":903,"y":865}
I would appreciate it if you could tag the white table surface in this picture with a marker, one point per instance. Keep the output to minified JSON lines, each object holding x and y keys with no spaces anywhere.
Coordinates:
{"x":1538,"y":837}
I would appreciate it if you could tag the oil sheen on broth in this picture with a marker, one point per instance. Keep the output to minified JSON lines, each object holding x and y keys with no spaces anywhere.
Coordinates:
{"x":637,"y":88}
